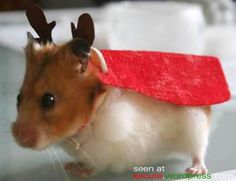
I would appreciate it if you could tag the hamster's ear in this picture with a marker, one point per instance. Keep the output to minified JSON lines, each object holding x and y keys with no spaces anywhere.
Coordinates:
{"x":81,"y":49}
{"x":84,"y":29}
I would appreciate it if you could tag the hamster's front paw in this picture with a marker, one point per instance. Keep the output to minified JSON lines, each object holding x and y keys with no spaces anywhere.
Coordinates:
{"x":197,"y":169}
{"x":79,"y":169}
{"x":198,"y":166}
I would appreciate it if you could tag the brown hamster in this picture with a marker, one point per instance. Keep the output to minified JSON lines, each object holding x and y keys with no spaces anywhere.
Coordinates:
{"x":63,"y":101}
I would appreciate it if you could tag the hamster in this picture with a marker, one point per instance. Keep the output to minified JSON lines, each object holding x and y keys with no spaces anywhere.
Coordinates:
{"x":62,"y":101}
{"x":117,"y":128}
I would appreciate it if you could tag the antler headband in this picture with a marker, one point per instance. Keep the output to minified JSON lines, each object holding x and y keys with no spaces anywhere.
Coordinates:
{"x":39,"y":23}
{"x":84,"y":31}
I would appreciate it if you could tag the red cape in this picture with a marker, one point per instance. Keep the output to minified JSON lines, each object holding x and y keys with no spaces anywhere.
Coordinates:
{"x":176,"y":78}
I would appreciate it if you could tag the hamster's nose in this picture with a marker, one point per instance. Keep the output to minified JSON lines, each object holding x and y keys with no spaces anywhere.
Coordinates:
{"x":24,"y":134}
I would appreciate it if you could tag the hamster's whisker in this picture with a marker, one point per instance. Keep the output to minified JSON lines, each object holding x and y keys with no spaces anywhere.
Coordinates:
{"x":74,"y":141}
{"x":52,"y":153}
{"x":89,"y":158}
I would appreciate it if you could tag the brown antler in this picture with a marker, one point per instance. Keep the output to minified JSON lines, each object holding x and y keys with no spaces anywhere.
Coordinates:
{"x":39,"y":23}
{"x":85,"y":28}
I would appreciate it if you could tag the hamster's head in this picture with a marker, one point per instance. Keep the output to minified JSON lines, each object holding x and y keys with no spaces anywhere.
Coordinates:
{"x":57,"y":95}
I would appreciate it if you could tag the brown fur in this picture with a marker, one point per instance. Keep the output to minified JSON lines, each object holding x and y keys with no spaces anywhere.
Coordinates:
{"x":54,"y":69}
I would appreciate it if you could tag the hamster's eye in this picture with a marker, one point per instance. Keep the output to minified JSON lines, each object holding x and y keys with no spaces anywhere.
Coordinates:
{"x":19,"y":99}
{"x":48,"y":100}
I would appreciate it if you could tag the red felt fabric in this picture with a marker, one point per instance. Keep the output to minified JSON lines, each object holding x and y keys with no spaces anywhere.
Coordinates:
{"x":176,"y":78}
